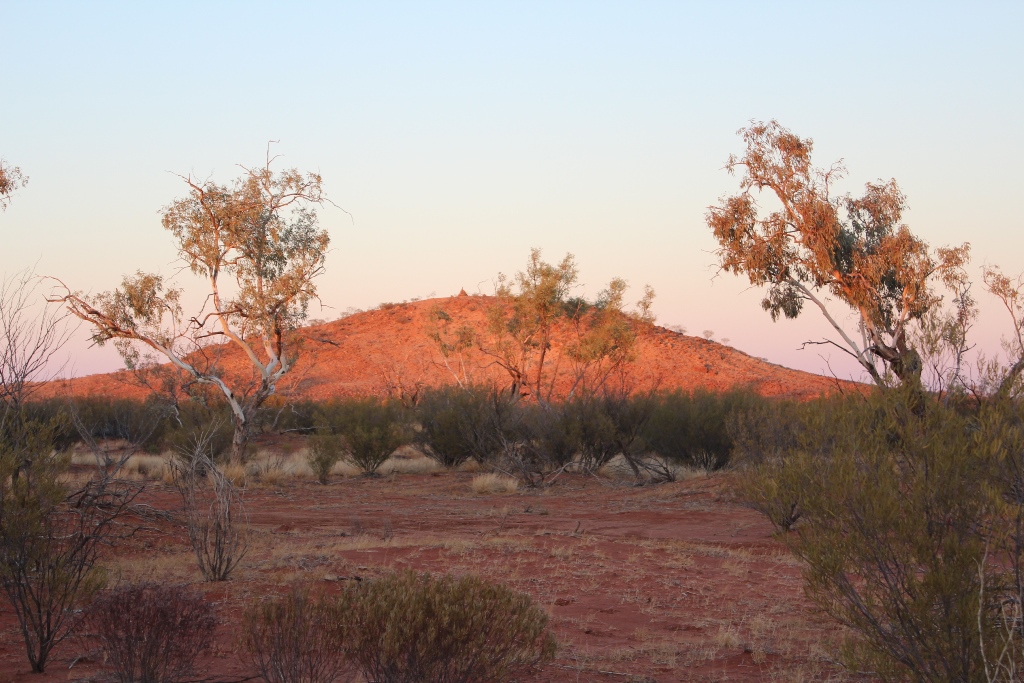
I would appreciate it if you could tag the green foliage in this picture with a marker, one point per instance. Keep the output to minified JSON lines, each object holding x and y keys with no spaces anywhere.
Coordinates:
{"x":459,"y":424}
{"x":372,"y":430}
{"x":324,"y":453}
{"x":197,"y":417}
{"x":296,"y":638}
{"x":693,"y":428}
{"x":611,"y":423}
{"x":909,"y":524}
{"x":408,"y":627}
{"x":50,"y":535}
{"x":553,"y":429}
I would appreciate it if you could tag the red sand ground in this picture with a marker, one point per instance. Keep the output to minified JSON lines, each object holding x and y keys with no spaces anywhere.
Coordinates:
{"x":378,"y":351}
{"x":672,"y":582}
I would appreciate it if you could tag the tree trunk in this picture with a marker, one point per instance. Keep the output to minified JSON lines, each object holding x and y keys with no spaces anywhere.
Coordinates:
{"x":239,"y":440}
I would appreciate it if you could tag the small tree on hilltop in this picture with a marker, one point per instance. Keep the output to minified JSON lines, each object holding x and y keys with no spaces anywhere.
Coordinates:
{"x":814,"y":245}
{"x":258,"y":244}
{"x":540,"y":334}
{"x":522,"y":322}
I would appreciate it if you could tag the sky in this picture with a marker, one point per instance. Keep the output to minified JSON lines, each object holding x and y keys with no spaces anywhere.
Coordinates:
{"x":457,"y":136}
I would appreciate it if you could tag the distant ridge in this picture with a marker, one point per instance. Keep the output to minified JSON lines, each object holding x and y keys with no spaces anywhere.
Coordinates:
{"x":388,"y":350}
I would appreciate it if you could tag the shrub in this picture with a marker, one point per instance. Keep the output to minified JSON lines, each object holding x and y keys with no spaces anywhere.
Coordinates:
{"x":554,"y":433}
{"x":151,"y":633}
{"x":458,"y":424}
{"x":372,"y":430}
{"x":612,"y":423}
{"x":324,"y":454}
{"x":909,"y":527}
{"x":125,"y":422}
{"x":693,"y":428}
{"x":215,"y":515}
{"x":194,"y":417}
{"x":296,"y":639}
{"x":51,"y":536}
{"x":407,"y":627}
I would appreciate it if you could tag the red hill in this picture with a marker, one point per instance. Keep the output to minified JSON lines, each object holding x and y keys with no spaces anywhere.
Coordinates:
{"x":389,"y":350}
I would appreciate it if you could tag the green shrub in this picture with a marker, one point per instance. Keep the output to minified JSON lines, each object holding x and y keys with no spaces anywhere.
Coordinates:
{"x":407,"y":627}
{"x":907,"y":518}
{"x":693,"y":428}
{"x":324,"y":453}
{"x":52,"y":534}
{"x":296,"y":638}
{"x":372,"y":430}
{"x":195,"y":417}
{"x":553,"y":432}
{"x":458,"y":424}
{"x":612,"y":423}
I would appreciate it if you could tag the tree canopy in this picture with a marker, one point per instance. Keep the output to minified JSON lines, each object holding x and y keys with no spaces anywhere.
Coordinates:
{"x":817,"y":245}
{"x":258,"y":245}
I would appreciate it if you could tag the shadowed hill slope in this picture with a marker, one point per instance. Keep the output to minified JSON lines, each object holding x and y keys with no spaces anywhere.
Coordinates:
{"x":389,"y":351}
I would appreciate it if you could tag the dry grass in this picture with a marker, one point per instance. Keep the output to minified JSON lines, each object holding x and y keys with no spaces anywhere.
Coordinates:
{"x":146,"y":466}
{"x":420,"y":464}
{"x":469,"y":466}
{"x":236,"y":474}
{"x":494,"y":483}
{"x":273,"y":468}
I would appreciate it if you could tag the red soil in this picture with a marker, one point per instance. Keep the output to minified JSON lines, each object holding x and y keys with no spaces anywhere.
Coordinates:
{"x":663,"y":583}
{"x":388,"y":351}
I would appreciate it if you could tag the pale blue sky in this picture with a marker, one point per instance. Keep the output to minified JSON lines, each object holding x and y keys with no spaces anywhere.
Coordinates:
{"x":458,"y":135}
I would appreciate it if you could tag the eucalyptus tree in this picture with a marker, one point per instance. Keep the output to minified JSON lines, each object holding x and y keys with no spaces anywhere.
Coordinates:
{"x":258,"y":246}
{"x":816,"y":245}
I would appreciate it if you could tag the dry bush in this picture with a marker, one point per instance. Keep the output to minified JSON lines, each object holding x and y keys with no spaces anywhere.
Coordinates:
{"x":409,"y":627}
{"x":238,"y":475}
{"x":151,"y":633}
{"x":296,"y":639}
{"x":494,"y":483}
{"x":346,"y":470}
{"x":215,"y":516}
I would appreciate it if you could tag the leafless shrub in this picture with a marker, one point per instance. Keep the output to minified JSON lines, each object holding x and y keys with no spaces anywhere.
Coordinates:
{"x":215,"y":516}
{"x":30,"y":341}
{"x":296,"y":639}
{"x":151,"y":633}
